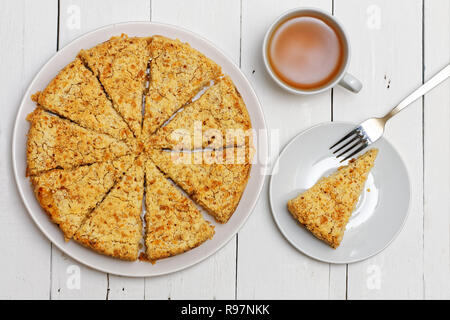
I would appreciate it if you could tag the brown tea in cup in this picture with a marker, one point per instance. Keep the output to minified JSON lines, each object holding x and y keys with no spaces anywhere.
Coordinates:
{"x":306,"y":52}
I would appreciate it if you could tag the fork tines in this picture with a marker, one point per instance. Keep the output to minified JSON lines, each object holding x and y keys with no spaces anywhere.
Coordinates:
{"x":352,"y":143}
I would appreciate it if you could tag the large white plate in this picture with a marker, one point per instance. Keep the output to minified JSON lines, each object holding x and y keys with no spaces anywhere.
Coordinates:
{"x":380,"y":214}
{"x":223,"y":232}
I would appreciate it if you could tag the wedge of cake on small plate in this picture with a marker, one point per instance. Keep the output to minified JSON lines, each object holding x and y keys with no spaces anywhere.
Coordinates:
{"x":114,"y":227}
{"x":217,"y":119}
{"x":325,"y":208}
{"x":173,"y":222}
{"x":54,"y":142}
{"x":177,"y":73}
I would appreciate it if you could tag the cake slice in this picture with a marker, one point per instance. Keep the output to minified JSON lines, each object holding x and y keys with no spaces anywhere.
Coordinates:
{"x":114,"y":227}
{"x":177,"y":73}
{"x":217,"y":119}
{"x":59,"y":143}
{"x":121,"y":66}
{"x":173,"y":223}
{"x":69,"y":195}
{"x":214,"y":179}
{"x":326,"y":207}
{"x":76,"y":94}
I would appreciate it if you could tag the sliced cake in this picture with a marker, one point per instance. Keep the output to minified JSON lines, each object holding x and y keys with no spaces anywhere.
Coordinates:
{"x":114,"y":227}
{"x":76,"y":94}
{"x":69,"y":195}
{"x":59,"y":143}
{"x":177,"y":73}
{"x":217,"y":119}
{"x":325,"y":208}
{"x":214,"y":179}
{"x":173,"y":223}
{"x":121,"y":66}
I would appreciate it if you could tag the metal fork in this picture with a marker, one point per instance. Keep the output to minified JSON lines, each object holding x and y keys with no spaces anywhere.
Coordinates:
{"x":372,"y":129}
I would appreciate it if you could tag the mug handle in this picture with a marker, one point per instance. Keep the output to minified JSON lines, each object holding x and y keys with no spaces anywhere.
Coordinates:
{"x":349,"y":82}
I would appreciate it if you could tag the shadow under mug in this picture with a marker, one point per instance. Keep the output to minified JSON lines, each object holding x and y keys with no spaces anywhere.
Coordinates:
{"x":343,"y":78}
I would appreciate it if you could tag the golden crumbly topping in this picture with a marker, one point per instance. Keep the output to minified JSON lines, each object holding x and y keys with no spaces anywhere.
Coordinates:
{"x":173,"y":223}
{"x":216,"y":184}
{"x":177,"y":73}
{"x":114,"y":228}
{"x":326,"y":207}
{"x":87,"y":134}
{"x":121,"y":65}
{"x":58,"y":143}
{"x":76,"y":94}
{"x":217,"y":119}
{"x":69,"y":195}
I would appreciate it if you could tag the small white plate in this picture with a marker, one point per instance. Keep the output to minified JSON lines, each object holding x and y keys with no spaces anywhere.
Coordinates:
{"x":379,"y":215}
{"x":224,"y":232}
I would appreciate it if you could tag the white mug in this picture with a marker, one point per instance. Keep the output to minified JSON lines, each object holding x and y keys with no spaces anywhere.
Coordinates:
{"x":343,"y":78}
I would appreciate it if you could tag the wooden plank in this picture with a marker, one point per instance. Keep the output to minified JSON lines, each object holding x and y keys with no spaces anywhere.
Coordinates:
{"x":387,"y":56}
{"x":28,"y":41}
{"x":436,"y":217}
{"x":80,"y":16}
{"x":124,"y":288}
{"x":219,"y":22}
{"x":337,"y":282}
{"x":72,"y":280}
{"x":213,"y":278}
{"x":77,"y":18}
{"x":268,"y":266}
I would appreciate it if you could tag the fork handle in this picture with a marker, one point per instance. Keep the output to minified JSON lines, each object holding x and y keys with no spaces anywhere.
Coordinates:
{"x":423,"y":89}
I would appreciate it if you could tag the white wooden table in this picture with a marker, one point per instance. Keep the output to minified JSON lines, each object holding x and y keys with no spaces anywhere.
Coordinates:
{"x":396,"y":45}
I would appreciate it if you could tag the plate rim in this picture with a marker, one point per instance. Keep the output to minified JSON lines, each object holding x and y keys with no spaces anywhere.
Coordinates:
{"x":262,"y":157}
{"x":271,"y":200}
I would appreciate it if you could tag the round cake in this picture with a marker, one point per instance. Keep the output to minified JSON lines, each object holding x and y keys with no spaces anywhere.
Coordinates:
{"x":139,"y":121}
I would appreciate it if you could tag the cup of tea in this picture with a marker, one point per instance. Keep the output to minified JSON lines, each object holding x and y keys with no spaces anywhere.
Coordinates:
{"x":306,"y":51}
